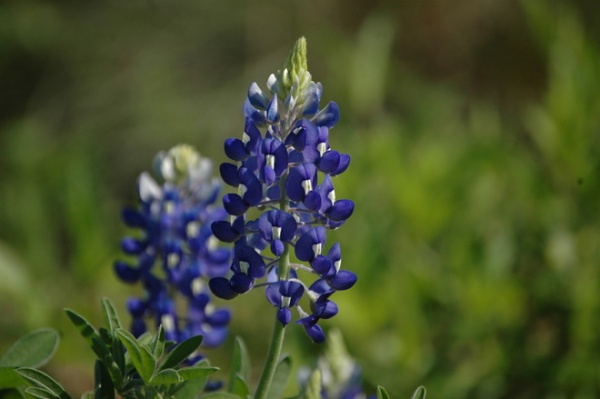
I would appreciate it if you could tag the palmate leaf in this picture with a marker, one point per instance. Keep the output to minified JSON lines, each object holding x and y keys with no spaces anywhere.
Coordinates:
{"x":141,"y":357}
{"x":280,"y":378}
{"x":181,"y":352}
{"x":43,"y":381}
{"x":31,"y":350}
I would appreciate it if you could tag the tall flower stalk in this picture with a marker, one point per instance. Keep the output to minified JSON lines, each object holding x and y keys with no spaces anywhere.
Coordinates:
{"x":174,"y":252}
{"x":283,"y":169}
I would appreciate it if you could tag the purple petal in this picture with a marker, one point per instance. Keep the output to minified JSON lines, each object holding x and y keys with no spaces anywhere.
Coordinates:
{"x":229,"y":174}
{"x":221,"y":287}
{"x":234,"y":204}
{"x":343,"y":280}
{"x":341,"y":210}
{"x":235,"y":149}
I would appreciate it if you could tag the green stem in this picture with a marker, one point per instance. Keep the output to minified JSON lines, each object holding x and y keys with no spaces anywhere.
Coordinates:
{"x":266,"y":378}
{"x":264,"y":384}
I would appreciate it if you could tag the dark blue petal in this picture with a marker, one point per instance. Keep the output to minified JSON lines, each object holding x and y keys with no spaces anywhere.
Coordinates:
{"x":133,"y":218}
{"x":126,"y":272}
{"x":328,"y":116}
{"x":221,"y":287}
{"x":234,"y":204}
{"x":229,"y":174}
{"x":219,"y":318}
{"x":315,"y":332}
{"x":277,"y":247}
{"x":235,"y":149}
{"x":344,"y":162}
{"x":136,"y":307}
{"x":329,"y":162}
{"x":341,"y":210}
{"x":214,"y":337}
{"x":313,"y":201}
{"x":252,"y":113}
{"x":138,"y":327}
{"x":284,"y":316}
{"x":293,"y":290}
{"x":241,"y":283}
{"x":224,"y":231}
{"x":132,"y":246}
{"x":343,"y":280}
{"x":321,"y":264}
{"x":273,"y":294}
{"x":325,"y":309}
{"x":253,"y":136}
{"x":311,"y":105}
{"x":253,"y":194}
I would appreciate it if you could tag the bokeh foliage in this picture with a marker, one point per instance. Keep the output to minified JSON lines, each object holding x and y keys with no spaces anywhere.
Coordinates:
{"x":475,"y":135}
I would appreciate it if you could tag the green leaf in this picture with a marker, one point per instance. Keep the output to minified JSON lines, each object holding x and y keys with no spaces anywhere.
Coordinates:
{"x":181,"y":352}
{"x":9,"y":378}
{"x":88,"y":395}
{"x":420,"y":393}
{"x":111,"y":319}
{"x":195,"y":372}
{"x":280,"y":378}
{"x":240,"y":364}
{"x":239,"y":387}
{"x":166,"y":377}
{"x":190,"y":389}
{"x":85,"y":328}
{"x":40,"y":393}
{"x":382,"y":393}
{"x":142,"y":359}
{"x":12,"y":393}
{"x":105,"y":356}
{"x":32,"y":350}
{"x":44,"y":381}
{"x":104,"y":387}
{"x":157,"y":345}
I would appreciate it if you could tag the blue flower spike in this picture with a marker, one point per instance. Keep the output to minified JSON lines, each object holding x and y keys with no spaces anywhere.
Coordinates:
{"x":283,"y":170}
{"x":175,"y":252}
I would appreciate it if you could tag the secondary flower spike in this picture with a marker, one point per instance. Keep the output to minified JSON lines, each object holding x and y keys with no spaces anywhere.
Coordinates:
{"x":175,"y":253}
{"x":283,"y":166}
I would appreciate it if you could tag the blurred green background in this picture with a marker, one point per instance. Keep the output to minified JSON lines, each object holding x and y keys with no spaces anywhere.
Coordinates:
{"x":474,"y":131}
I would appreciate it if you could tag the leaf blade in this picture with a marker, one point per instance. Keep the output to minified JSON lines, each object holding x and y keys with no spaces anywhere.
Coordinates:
{"x":32,"y":350}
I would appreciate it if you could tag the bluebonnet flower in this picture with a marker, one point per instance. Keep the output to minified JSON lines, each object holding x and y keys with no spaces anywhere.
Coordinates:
{"x":176,"y":253}
{"x":283,"y":166}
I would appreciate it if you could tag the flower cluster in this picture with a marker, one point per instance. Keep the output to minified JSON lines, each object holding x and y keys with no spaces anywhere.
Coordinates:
{"x":176,"y":252}
{"x":283,"y":169}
